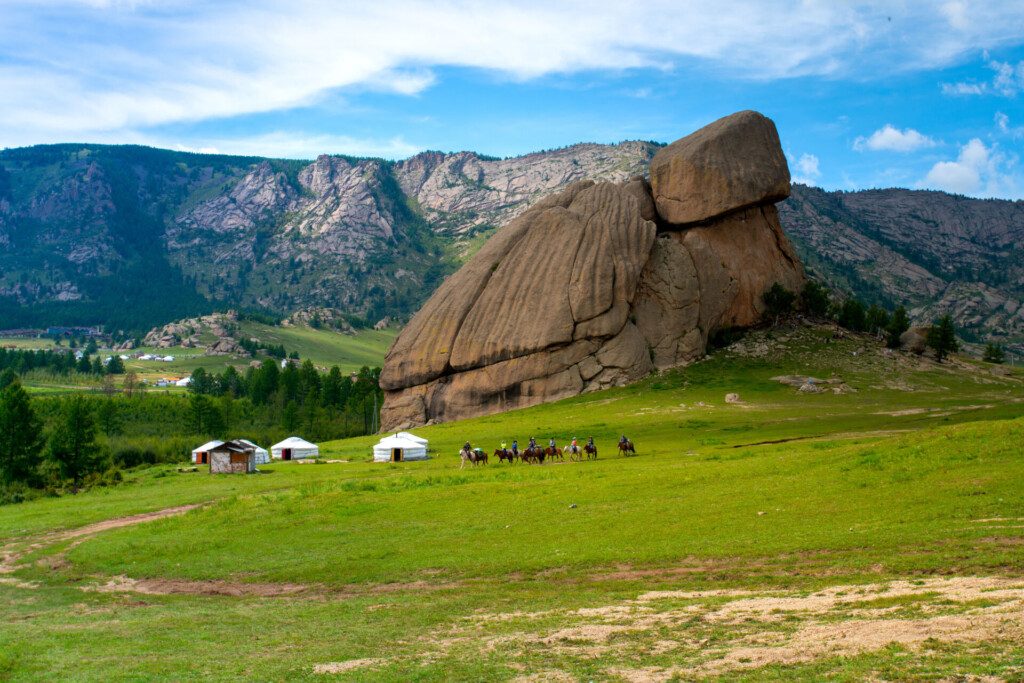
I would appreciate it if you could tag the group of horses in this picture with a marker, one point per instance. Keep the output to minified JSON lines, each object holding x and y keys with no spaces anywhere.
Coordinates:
{"x":536,"y":455}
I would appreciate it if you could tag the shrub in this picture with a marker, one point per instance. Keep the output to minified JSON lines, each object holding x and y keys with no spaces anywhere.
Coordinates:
{"x":994,"y":353}
{"x":778,"y":301}
{"x":814,"y":299}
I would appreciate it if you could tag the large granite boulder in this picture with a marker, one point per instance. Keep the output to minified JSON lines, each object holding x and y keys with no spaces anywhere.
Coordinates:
{"x":733,"y":163}
{"x":549,"y":292}
{"x":581,"y":292}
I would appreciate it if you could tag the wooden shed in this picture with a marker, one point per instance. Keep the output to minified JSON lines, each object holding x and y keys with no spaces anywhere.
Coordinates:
{"x":232,"y":457}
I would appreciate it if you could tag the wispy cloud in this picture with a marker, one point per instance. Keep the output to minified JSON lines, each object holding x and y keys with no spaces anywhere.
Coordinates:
{"x":74,"y":69}
{"x":1007,"y":81}
{"x":892,"y":139}
{"x":1003,"y":123}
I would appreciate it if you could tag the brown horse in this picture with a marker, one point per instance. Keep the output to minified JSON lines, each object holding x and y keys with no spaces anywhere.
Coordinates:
{"x":626,"y":447}
{"x":503,"y":454}
{"x":474,"y":457}
{"x":552,"y":452}
{"x":591,"y":451}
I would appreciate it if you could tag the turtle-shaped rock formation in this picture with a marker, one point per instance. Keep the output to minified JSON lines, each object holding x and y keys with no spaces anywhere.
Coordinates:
{"x":602,"y":283}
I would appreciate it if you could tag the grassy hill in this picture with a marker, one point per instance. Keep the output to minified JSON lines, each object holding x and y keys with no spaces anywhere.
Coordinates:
{"x":324,"y":347}
{"x":868,"y":534}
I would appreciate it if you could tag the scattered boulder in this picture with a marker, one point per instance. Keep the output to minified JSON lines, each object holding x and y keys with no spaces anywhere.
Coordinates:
{"x":225,"y":346}
{"x":382,"y":324}
{"x":581,"y":292}
{"x":810,"y":387}
{"x":914,"y":340}
{"x":733,"y":398}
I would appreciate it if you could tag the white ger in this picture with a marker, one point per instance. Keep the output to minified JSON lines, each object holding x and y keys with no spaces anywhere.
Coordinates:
{"x":294,"y":448}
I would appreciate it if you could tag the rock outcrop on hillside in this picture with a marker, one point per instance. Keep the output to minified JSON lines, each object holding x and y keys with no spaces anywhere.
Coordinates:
{"x":594,"y":286}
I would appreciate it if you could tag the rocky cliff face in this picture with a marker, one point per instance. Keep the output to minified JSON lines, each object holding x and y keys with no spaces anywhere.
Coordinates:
{"x":463,"y":192}
{"x":933,"y":252}
{"x":599,"y":284}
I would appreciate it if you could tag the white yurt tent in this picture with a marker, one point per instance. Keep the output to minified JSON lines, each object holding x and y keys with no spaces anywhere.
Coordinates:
{"x":262,"y":456}
{"x":401,"y":446}
{"x":412,"y":437}
{"x":201,"y":455}
{"x":294,"y":448}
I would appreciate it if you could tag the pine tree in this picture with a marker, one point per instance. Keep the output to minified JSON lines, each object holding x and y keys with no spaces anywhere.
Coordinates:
{"x":814,"y":298}
{"x":942,"y":338}
{"x":852,"y":316}
{"x":898,"y":324}
{"x":290,"y":416}
{"x":72,"y":447}
{"x":877,"y":319}
{"x":115,"y":366}
{"x":21,"y":435}
{"x":994,"y":353}
{"x":778,"y":301}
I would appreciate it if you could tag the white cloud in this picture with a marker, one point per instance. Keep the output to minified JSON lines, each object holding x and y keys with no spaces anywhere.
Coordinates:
{"x":806,"y":169}
{"x":978,"y":171}
{"x":1003,"y":122}
{"x":890,"y":138}
{"x":1007,"y":82}
{"x":72,"y":69}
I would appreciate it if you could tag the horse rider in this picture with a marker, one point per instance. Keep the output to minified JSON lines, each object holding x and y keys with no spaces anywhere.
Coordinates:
{"x":623,"y":439}
{"x":575,"y":446}
{"x":515,"y":447}
{"x":551,"y":442}
{"x":466,"y":447}
{"x":503,"y":448}
{"x":533,"y":442}
{"x":590,"y":442}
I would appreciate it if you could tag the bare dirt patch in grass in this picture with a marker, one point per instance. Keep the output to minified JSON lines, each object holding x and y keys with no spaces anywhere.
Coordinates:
{"x":350,"y":665}
{"x":758,"y":628}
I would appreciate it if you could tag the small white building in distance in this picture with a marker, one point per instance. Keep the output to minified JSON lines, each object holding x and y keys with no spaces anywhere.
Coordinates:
{"x":201,"y":455}
{"x":400,"y":447}
{"x":262,"y":456}
{"x":294,"y":448}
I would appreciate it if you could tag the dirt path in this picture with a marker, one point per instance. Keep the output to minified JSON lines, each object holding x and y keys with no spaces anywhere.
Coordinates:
{"x":11,"y":555}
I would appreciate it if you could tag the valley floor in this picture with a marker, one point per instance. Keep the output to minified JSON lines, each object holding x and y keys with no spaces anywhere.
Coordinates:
{"x":874,"y":534}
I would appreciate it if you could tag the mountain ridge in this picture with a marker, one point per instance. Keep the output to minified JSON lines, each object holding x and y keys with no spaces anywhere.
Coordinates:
{"x":102,"y":234}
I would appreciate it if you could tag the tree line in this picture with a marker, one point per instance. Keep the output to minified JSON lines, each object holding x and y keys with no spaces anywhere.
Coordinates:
{"x":21,"y":361}
{"x":58,"y":444}
{"x":817,"y":300}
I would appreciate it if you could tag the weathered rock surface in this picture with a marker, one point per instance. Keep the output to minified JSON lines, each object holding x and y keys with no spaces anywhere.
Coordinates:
{"x":540,"y":312}
{"x":733,"y":163}
{"x":580,"y":293}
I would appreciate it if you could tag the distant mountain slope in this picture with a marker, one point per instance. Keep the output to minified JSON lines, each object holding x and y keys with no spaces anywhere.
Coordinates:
{"x":934,"y":252}
{"x":132,"y":237}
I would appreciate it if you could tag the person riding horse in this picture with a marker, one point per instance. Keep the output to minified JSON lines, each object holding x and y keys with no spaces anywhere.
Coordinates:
{"x":515,"y":447}
{"x":590,"y":441}
{"x":574,"y":445}
{"x":533,"y":442}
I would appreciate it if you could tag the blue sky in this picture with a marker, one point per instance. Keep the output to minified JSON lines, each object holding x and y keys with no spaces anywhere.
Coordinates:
{"x":872,"y":94}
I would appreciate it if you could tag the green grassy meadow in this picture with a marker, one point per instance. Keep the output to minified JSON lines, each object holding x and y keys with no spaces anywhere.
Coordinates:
{"x":877,"y":534}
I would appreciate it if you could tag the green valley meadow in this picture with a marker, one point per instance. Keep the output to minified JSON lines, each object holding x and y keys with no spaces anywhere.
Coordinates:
{"x":871,"y":532}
